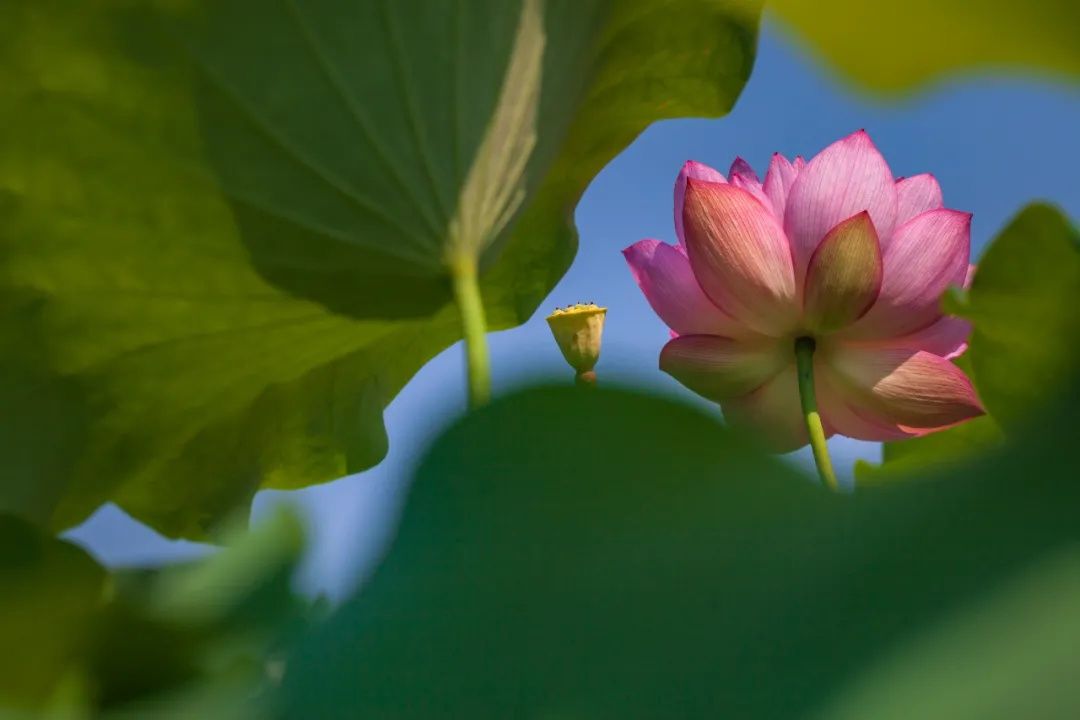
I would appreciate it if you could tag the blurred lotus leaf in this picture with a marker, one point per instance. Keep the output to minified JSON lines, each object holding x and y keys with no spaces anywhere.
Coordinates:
{"x":609,"y":555}
{"x":195,"y":640}
{"x":893,"y":45}
{"x":1025,"y":342}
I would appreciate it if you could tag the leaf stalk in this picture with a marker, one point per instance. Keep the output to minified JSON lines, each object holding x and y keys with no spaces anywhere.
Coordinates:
{"x":465,"y":275}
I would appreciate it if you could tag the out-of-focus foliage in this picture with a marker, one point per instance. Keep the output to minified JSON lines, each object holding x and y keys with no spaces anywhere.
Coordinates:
{"x":49,"y":591}
{"x":201,"y":640}
{"x":905,"y":459}
{"x":1025,"y":342}
{"x":608,"y":555}
{"x":892,"y":45}
{"x":225,"y":226}
{"x":1024,"y":306}
{"x":1009,"y":655}
{"x":602,"y":554}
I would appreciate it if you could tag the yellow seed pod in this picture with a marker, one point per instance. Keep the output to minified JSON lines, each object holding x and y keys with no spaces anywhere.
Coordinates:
{"x":578,"y":330}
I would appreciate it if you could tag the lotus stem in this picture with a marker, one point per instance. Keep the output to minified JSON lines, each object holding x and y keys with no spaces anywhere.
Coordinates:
{"x":464,"y":274}
{"x":585,"y":378}
{"x":804,"y":360}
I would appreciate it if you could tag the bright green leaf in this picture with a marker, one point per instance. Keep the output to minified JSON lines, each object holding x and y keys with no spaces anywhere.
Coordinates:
{"x":891,"y":45}
{"x":608,"y":555}
{"x":225,"y":226}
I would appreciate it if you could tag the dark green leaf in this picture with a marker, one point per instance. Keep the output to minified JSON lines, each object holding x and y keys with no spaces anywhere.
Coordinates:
{"x":606,"y":555}
{"x":892,"y":45}
{"x":225,"y":226}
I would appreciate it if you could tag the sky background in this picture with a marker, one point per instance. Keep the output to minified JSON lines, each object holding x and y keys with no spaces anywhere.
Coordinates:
{"x":995,"y":143}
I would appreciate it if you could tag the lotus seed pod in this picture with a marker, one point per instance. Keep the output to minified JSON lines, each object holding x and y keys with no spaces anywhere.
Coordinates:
{"x":578,"y":330}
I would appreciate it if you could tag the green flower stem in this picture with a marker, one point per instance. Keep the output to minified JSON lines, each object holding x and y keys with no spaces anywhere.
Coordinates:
{"x":463,"y":272}
{"x":804,"y":360}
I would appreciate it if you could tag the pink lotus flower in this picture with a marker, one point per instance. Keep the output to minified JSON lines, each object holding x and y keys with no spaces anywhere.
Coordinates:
{"x":833,"y":251}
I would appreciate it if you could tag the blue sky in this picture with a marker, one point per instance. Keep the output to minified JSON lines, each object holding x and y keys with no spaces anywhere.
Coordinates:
{"x":994,"y":144}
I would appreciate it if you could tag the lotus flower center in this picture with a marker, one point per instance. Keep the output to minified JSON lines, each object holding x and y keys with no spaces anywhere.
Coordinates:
{"x":805,"y":343}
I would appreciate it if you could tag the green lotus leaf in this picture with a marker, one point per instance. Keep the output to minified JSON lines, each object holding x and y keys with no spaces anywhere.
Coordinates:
{"x":227,"y":228}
